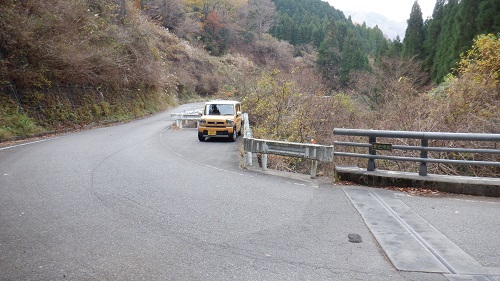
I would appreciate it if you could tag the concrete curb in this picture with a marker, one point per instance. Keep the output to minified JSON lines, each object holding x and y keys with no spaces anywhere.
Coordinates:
{"x":453,"y":184}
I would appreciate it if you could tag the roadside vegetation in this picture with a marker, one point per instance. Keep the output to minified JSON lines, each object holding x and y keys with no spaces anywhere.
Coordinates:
{"x":67,"y":64}
{"x":300,"y":67}
{"x":466,"y":102}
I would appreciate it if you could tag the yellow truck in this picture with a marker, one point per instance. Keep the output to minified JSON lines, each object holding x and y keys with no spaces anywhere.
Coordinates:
{"x":220,"y":119}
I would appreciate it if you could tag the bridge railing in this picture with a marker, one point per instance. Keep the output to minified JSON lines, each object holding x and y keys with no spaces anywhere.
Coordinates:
{"x":424,"y":148}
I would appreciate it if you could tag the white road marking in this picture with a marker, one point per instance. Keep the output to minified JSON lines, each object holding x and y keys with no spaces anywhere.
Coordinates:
{"x":22,"y":144}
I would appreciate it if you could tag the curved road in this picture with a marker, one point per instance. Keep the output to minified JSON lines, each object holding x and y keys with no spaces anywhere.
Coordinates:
{"x":140,"y":201}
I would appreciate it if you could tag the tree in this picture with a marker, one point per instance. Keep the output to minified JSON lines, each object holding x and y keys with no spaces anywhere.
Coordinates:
{"x":284,"y":28}
{"x":413,"y":43}
{"x":167,"y":12}
{"x":353,"y":58}
{"x":446,"y":46}
{"x":466,"y":24}
{"x":488,"y":19}
{"x":432,"y":37}
{"x":452,"y":29}
{"x":261,"y":14}
{"x":329,"y":57}
{"x":190,"y":27}
{"x":317,"y":36}
{"x":474,"y":95}
{"x":271,"y":104}
{"x":213,"y":22}
{"x":482,"y":61}
{"x":219,"y":19}
{"x":395,"y":48}
{"x":377,"y":42}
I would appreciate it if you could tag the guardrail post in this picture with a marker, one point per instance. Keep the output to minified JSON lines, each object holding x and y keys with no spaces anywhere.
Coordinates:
{"x":249,"y":159}
{"x":314,"y":168}
{"x":264,"y":162}
{"x":247,"y":134}
{"x":423,"y":154}
{"x":371,"y":151}
{"x":249,"y":144}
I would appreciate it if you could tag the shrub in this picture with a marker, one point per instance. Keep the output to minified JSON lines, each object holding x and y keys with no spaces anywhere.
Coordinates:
{"x":15,"y":122}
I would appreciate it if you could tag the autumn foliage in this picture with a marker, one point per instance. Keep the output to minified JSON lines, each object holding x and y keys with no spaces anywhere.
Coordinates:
{"x":76,"y":62}
{"x":469,"y":102}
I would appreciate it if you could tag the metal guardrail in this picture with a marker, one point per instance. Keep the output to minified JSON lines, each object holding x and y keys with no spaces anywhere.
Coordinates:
{"x":424,"y":137}
{"x":292,"y":149}
{"x":193,"y":115}
{"x":314,"y":152}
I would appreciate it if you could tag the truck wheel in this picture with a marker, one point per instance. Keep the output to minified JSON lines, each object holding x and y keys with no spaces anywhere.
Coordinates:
{"x":234,"y":135}
{"x":201,"y":137}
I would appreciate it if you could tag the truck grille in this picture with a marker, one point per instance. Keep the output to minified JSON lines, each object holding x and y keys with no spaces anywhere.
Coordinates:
{"x":216,"y":123}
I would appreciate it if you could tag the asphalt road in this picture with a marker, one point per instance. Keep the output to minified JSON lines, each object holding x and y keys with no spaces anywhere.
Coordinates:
{"x":141,"y":201}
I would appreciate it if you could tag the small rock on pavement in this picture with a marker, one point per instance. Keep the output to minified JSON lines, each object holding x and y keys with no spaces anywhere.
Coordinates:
{"x":354,"y":238}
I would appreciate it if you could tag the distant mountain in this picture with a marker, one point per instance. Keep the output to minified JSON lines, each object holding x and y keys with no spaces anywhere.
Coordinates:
{"x":389,"y":27}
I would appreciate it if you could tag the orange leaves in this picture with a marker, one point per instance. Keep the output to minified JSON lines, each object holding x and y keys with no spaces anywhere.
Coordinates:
{"x":137,"y":4}
{"x":213,"y":21}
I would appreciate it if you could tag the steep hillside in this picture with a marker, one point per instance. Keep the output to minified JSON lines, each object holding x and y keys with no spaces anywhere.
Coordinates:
{"x":68,"y":63}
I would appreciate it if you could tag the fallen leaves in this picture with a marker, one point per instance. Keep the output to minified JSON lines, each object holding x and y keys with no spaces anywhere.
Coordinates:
{"x":417,"y":191}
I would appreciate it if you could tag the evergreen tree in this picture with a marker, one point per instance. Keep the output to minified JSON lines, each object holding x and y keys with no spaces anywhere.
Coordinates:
{"x":383,"y":51}
{"x":353,"y":57}
{"x":488,"y":19}
{"x":413,"y":43}
{"x":466,"y":23}
{"x":379,"y":42}
{"x":329,"y":57}
{"x":341,"y":35}
{"x":452,"y":29}
{"x":316,"y":36}
{"x":395,"y":48}
{"x":284,"y":29}
{"x":446,"y":57}
{"x":433,"y":33}
{"x":305,"y":16}
{"x":377,"y":37}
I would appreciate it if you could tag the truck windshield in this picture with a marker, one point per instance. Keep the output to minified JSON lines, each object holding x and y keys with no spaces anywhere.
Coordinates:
{"x":219,"y":109}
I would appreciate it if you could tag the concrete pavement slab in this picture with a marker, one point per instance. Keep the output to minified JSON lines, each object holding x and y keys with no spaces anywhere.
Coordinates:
{"x":410,"y":242}
{"x":405,"y":252}
{"x":449,"y":253}
{"x":455,"y":277}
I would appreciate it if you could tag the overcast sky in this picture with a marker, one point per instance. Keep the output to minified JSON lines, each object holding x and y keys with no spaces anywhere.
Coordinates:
{"x":398,"y":10}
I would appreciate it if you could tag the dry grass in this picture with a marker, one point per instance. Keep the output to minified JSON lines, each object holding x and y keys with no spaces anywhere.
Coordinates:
{"x":123,"y":67}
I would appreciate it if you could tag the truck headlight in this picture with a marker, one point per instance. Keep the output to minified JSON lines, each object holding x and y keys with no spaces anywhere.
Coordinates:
{"x":230,"y":122}
{"x":203,"y":122}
